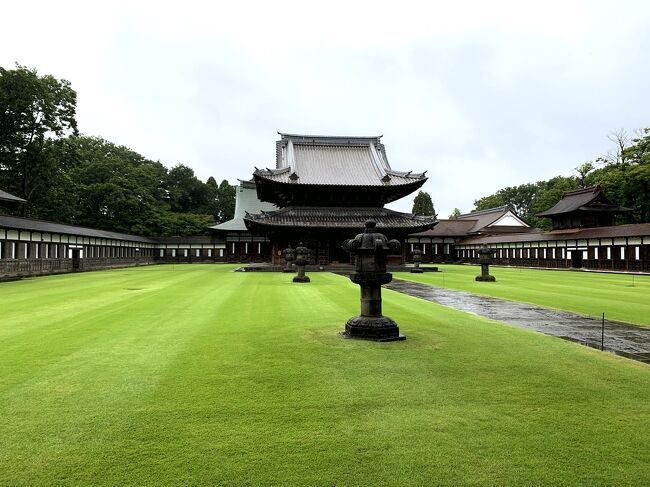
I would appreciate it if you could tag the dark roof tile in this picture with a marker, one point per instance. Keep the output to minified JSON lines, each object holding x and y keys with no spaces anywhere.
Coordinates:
{"x":487,"y":217}
{"x":448,"y":228}
{"x":631,"y":230}
{"x":587,"y":199}
{"x":17,"y":223}
{"x":353,"y":218}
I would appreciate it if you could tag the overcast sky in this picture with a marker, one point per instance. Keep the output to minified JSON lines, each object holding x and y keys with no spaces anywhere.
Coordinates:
{"x":482,"y":94}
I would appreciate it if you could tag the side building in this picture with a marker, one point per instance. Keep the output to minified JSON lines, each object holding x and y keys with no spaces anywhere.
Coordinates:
{"x":30,"y":247}
{"x":439,"y":244}
{"x":583,"y":237}
{"x":241,"y":244}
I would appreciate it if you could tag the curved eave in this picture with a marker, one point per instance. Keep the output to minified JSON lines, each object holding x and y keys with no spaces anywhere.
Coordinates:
{"x":286,"y":193}
{"x":265,"y":227}
{"x":335,"y":219}
{"x":585,"y":209}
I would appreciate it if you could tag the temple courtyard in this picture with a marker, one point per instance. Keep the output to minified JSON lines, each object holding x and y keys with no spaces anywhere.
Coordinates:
{"x":197,"y":375}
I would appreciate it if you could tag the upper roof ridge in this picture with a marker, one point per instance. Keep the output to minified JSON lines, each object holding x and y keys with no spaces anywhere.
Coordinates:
{"x":590,"y":189}
{"x":330,"y":139}
{"x":487,"y":210}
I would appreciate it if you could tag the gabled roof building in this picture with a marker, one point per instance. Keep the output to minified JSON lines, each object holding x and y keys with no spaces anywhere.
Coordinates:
{"x":583,"y":236}
{"x":502,"y":219}
{"x":586,"y":207}
{"x":438,"y":244}
{"x":243,"y":245}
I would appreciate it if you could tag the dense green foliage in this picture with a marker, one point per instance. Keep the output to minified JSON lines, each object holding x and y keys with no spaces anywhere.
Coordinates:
{"x":90,"y":181}
{"x":625,"y":178}
{"x":422,"y":204}
{"x":33,"y":110}
{"x":620,"y":297}
{"x":193,"y":375}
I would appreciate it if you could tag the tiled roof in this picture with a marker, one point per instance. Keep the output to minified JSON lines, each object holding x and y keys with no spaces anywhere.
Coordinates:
{"x":340,"y":161}
{"x":4,"y":196}
{"x":246,"y":201}
{"x":448,"y":228}
{"x":632,"y":230}
{"x":484,"y":218}
{"x":17,"y":223}
{"x":588,"y":199}
{"x":195,"y":239}
{"x":353,"y":218}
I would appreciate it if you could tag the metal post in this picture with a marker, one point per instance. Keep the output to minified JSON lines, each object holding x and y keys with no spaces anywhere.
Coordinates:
{"x":602,"y":335}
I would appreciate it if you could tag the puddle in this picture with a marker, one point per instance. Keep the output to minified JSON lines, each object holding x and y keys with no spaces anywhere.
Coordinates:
{"x":622,"y":339}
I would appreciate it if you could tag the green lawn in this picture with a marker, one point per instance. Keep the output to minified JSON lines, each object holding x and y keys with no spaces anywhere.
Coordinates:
{"x":621,"y":297}
{"x":194,"y":375}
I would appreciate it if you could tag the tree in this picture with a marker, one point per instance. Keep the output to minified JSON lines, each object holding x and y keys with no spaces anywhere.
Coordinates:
{"x":455,"y":214}
{"x":624,"y":176}
{"x":626,"y":180}
{"x":422,"y":205}
{"x":186,"y":193}
{"x":583,"y":170}
{"x":225,"y":207}
{"x":116,"y":188}
{"x":621,"y":140}
{"x":34,"y":110}
{"x":549,"y":193}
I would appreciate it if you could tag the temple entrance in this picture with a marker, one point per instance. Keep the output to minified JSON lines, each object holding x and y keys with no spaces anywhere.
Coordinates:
{"x":576,"y":259}
{"x":337,"y":254}
{"x":76,"y":261}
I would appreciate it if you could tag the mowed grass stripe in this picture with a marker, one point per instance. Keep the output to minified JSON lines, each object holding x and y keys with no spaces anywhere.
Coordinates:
{"x":121,"y":358}
{"x":240,"y":379}
{"x":621,"y":297}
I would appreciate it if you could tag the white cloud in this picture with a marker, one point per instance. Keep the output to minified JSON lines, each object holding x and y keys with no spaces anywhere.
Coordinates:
{"x":480,"y":94}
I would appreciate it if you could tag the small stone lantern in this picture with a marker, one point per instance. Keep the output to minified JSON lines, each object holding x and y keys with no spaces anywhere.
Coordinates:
{"x":289,"y":257}
{"x":302,"y":257}
{"x":485,"y":259}
{"x":371,"y":249}
{"x":416,"y":255}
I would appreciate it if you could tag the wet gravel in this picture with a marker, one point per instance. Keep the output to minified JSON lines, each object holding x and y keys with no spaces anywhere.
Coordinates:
{"x":620,"y":338}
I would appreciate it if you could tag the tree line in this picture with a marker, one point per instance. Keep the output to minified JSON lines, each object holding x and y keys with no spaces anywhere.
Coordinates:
{"x":70,"y":178}
{"x":624,"y":175}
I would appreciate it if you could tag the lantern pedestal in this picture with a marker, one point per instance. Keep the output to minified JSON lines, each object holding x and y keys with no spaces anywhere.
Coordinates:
{"x":302,"y":258}
{"x":380,"y":329}
{"x":289,"y":257}
{"x":370,"y":249}
{"x":485,"y":259}
{"x":485,"y":274}
{"x":301,"y":277}
{"x":417,"y":258}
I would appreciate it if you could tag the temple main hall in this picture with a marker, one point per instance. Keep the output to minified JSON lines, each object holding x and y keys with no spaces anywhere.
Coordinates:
{"x":325,"y":188}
